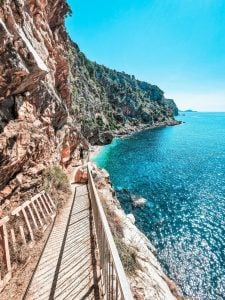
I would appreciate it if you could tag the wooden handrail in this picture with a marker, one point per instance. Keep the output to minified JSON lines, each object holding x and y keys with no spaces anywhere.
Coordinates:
{"x":32,"y":215}
{"x":114,"y":278}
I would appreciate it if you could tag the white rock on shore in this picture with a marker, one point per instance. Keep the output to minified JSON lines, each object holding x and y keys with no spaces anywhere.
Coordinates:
{"x":131,"y":218}
{"x":138,"y":201}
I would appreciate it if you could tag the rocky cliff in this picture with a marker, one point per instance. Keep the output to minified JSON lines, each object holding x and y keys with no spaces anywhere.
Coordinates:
{"x":112,"y":101}
{"x":52,"y":98}
{"x":51,"y":95}
{"x":36,"y":127}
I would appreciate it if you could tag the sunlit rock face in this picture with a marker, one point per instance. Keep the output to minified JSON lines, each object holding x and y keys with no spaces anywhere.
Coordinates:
{"x":51,"y":95}
{"x":35,"y":95}
{"x":117,"y":102}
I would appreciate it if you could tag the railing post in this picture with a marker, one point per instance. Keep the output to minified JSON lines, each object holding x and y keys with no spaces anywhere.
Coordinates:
{"x":4,"y":244}
{"x":26,"y":213}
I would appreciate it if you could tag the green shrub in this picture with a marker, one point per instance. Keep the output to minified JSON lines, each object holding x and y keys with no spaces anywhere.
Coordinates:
{"x":128,"y":256}
{"x":88,"y":122}
{"x":56,"y":179}
{"x":99,"y":121}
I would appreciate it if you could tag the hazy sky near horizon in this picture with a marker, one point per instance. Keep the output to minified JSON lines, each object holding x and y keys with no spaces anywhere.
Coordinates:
{"x":178,"y":45}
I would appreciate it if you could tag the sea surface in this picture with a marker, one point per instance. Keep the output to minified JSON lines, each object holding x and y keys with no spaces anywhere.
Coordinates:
{"x":180,"y":170}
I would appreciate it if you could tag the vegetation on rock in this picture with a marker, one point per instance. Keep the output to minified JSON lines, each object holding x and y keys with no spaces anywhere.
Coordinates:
{"x":106,"y":100}
{"x":56,"y":182}
{"x":55,"y":177}
{"x":128,"y":256}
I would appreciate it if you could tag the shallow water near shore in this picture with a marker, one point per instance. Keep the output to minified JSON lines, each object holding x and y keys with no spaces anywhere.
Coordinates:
{"x":180,"y":170}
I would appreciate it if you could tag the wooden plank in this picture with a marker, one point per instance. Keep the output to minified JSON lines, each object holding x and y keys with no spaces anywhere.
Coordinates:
{"x":51,"y":201}
{"x":1,"y":284}
{"x":47,"y":203}
{"x":7,"y":277}
{"x":32,"y":216}
{"x":35,"y":197}
{"x":28,"y":224}
{"x":13,"y":239}
{"x":37,"y":213}
{"x":6,"y":248}
{"x":41,"y":209}
{"x":16,"y":211}
{"x":44,"y":205}
{"x":22,"y":234}
{"x":4,"y":220}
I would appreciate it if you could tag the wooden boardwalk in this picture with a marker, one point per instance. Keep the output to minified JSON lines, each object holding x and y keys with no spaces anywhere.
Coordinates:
{"x":67,"y":268}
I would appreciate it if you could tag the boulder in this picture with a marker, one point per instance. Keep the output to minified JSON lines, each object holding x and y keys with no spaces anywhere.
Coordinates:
{"x":105,"y":138}
{"x":81,"y":176}
{"x":131,"y":218}
{"x":138,"y":201}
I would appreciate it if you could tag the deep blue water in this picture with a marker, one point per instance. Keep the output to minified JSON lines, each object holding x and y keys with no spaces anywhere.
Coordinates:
{"x":181,"y":172}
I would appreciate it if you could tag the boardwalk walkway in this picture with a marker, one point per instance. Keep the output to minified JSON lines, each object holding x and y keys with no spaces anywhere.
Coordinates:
{"x":67,"y":268}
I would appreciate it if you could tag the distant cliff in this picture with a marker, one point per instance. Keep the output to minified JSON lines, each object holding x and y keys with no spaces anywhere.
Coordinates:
{"x":105,"y":100}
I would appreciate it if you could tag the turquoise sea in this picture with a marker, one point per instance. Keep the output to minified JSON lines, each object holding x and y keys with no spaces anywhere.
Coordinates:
{"x":181,"y":172}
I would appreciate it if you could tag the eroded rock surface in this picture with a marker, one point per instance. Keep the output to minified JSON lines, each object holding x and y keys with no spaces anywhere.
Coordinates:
{"x":51,"y":95}
{"x":117,"y":103}
{"x":35,"y":95}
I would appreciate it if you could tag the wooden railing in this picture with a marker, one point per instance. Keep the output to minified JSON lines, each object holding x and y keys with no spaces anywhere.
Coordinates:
{"x":115,"y":284}
{"x":20,"y":228}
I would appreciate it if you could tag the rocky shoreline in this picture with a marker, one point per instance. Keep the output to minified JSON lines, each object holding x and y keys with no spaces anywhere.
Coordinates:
{"x":128,"y":129}
{"x":148,"y":281}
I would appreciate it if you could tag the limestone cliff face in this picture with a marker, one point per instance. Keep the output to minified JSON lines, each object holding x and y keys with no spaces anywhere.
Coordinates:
{"x":35,"y":95}
{"x":112,"y":101}
{"x":51,"y":95}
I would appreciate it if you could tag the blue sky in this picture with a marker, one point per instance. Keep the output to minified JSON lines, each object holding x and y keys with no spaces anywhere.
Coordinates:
{"x":178,"y":45}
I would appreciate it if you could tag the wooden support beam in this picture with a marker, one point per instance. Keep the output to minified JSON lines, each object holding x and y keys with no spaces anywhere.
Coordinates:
{"x":47,"y":203}
{"x":13,"y":239}
{"x":42,"y":201}
{"x":37,"y":213}
{"x":51,"y":201}
{"x":28,"y":224}
{"x":32,"y":216}
{"x":22,"y":234}
{"x":5,"y":244}
{"x":41,"y":209}
{"x":16,"y":212}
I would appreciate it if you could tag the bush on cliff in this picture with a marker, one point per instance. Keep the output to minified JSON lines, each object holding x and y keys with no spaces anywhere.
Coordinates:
{"x":128,"y":256}
{"x":56,"y":178}
{"x":57,"y":184}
